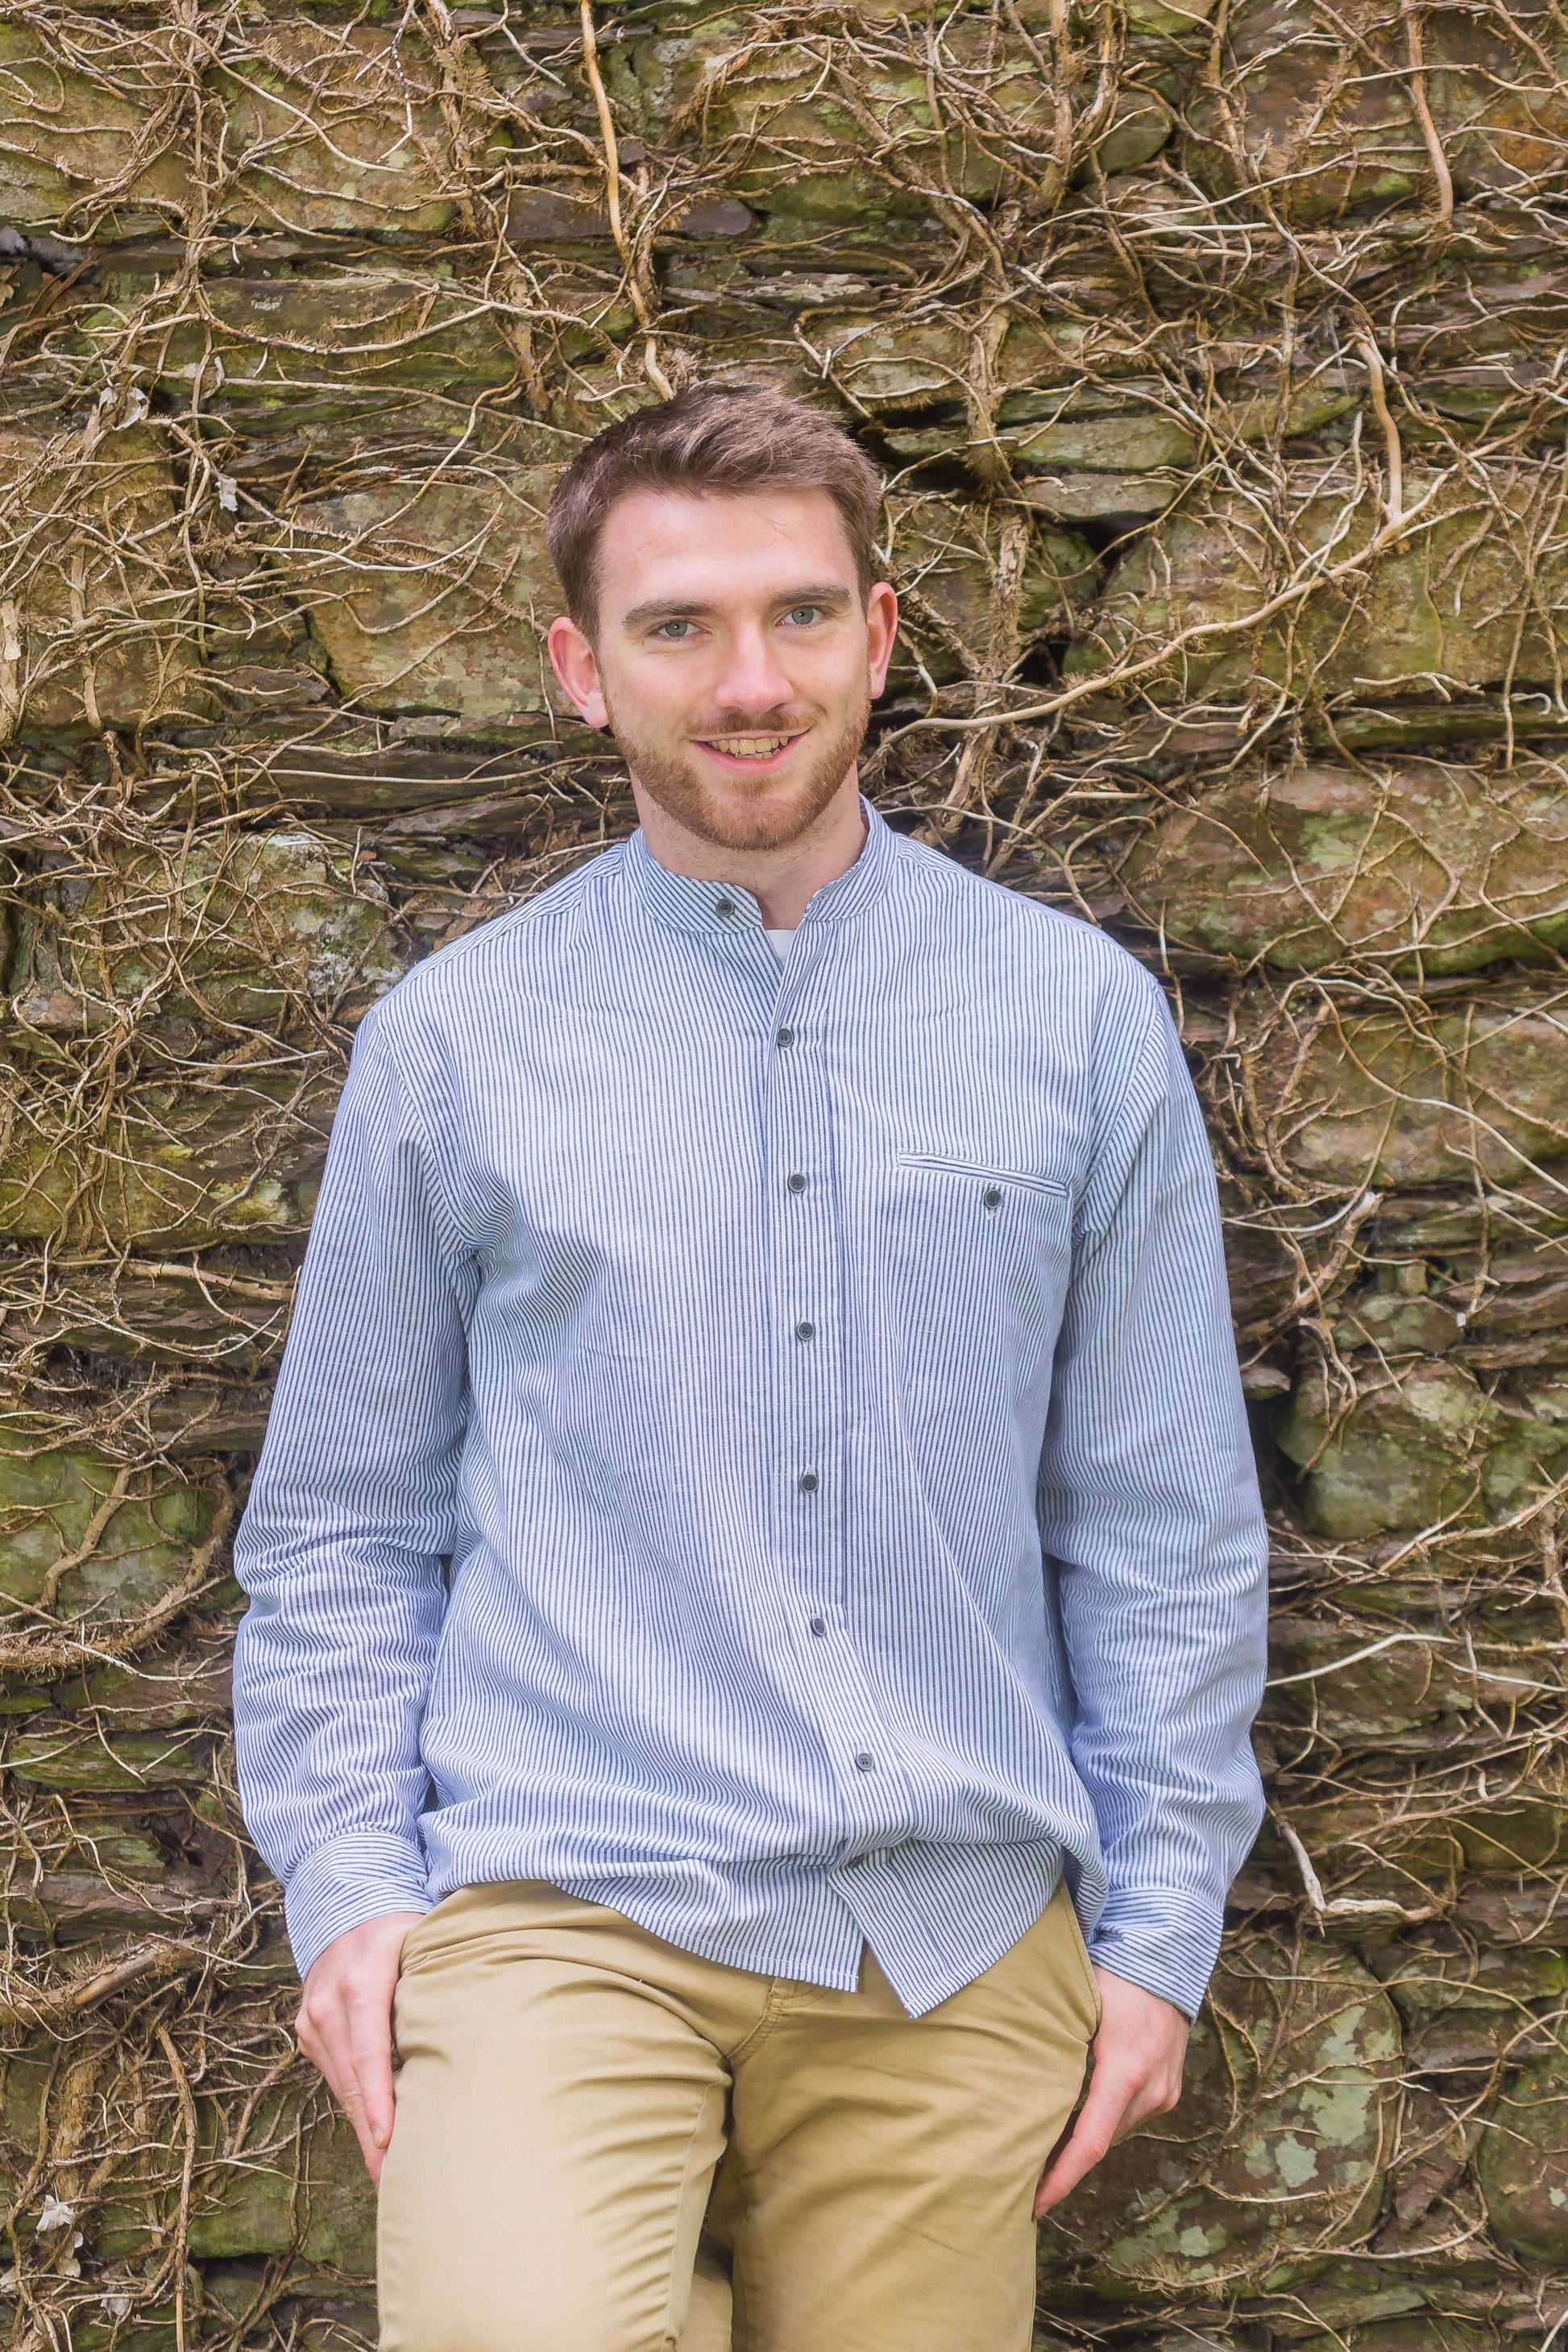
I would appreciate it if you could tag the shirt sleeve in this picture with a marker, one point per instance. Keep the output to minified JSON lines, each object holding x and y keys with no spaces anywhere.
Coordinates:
{"x":1150,"y":1509}
{"x":351,"y":1516}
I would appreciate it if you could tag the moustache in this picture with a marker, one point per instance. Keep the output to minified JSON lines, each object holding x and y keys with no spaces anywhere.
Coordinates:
{"x":751,"y":722}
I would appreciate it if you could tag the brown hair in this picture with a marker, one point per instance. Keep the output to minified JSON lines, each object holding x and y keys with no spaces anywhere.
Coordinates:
{"x":710,"y":438}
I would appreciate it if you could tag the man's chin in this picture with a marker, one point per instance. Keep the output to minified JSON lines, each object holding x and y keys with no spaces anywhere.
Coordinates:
{"x":739,"y":819}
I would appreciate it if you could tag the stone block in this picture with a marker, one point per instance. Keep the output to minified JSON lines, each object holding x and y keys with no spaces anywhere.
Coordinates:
{"x":1397,"y":1325}
{"x":85,"y":1537}
{"x":281,"y":349}
{"x":1335,"y":1679}
{"x":327,"y":2310}
{"x":1436,"y":1969}
{"x":1443,"y":1090}
{"x":90,"y":134}
{"x":1496,"y":314}
{"x":1523,"y":2163}
{"x":1319,"y":603}
{"x":1279,"y":2145}
{"x":1324,"y":115}
{"x":1514,"y":1909}
{"x":76,"y":1907}
{"x":201,"y":1416}
{"x":1443,"y":1221}
{"x":337,"y":128}
{"x":1434,"y":2331}
{"x":298,"y":2187}
{"x":161,"y":1693}
{"x":432,"y":592}
{"x":231,"y":1152}
{"x":278,"y":2177}
{"x":97,"y":615}
{"x":1106,"y":417}
{"x":416,"y":349}
{"x":157,"y":2335}
{"x":799,"y":125}
{"x":1503,"y":1308}
{"x":1421,"y":866}
{"x":419,"y":766}
{"x":970,"y":599}
{"x":1117,"y":503}
{"x":1422,"y":1441}
{"x":1525,"y":1828}
{"x":1116,"y":443}
{"x":222,"y":932}
{"x":845,"y":329}
{"x":67,"y":1759}
{"x":229,"y":1308}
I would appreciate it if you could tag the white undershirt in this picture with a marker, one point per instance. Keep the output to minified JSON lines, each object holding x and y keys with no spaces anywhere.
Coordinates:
{"x":780,"y":941}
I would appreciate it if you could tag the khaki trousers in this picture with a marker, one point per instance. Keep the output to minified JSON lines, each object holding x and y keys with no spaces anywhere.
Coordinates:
{"x":603,"y":2144}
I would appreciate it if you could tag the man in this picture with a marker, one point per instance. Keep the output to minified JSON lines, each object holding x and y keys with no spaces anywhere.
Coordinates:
{"x":757,"y":1521}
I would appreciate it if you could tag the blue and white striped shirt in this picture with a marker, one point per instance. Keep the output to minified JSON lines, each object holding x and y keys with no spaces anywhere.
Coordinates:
{"x":760,"y":1447}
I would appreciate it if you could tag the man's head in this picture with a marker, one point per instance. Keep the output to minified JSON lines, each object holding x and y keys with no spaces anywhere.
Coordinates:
{"x":716,"y":555}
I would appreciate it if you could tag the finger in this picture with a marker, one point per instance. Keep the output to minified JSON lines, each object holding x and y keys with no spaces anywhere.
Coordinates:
{"x":343,"y":2078}
{"x":317,"y":2047}
{"x":370,"y":2057}
{"x":324,"y":2031}
{"x":1091,"y":2137}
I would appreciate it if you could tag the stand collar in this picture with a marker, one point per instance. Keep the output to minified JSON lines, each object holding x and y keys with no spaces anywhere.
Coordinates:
{"x":722,"y":908}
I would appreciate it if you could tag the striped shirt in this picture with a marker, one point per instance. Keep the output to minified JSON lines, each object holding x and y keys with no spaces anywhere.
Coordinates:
{"x":759,"y":1446}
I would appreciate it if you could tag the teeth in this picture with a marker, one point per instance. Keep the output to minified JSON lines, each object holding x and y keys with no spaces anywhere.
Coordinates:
{"x":749,"y":747}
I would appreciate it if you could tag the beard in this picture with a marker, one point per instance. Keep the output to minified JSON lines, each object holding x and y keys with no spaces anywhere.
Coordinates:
{"x":727,"y":812}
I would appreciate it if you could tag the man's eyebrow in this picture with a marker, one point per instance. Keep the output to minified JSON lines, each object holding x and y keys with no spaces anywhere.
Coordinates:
{"x":828,"y":593}
{"x":664,"y":608}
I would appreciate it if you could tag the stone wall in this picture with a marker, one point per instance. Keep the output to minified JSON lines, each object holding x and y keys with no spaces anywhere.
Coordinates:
{"x":1215,"y":353}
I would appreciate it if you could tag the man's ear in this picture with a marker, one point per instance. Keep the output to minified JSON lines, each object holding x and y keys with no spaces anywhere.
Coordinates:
{"x":572,"y":659}
{"x":881,"y":627}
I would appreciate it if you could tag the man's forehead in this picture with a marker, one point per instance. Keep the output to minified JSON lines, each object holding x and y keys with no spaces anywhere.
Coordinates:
{"x":698,"y":542}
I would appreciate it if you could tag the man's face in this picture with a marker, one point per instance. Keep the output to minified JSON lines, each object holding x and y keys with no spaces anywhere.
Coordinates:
{"x":734,"y":660}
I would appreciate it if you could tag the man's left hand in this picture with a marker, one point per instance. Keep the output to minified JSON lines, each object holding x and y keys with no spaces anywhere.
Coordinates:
{"x":1138,"y":2055}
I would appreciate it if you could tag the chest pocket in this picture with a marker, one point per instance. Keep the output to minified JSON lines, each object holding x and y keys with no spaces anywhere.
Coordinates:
{"x":981,"y":1257}
{"x":995,"y":1184}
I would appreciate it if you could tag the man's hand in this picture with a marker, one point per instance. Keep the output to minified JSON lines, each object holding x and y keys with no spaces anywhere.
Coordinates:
{"x":1138,"y":2055}
{"x":344,"y":2025}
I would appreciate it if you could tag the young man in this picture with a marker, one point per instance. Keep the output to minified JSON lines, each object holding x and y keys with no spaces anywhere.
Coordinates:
{"x":757,"y":1523}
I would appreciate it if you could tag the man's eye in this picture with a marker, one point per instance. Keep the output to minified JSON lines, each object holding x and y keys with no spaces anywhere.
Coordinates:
{"x":665,"y":628}
{"x":804,"y":614}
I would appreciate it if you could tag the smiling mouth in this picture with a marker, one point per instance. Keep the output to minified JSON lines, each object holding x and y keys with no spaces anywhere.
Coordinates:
{"x":757,"y":749}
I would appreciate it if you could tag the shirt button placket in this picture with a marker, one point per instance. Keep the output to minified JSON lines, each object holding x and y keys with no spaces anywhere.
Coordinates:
{"x":808,"y":1374}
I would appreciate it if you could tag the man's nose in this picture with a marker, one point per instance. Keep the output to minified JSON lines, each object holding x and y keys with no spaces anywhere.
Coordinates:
{"x":752,"y":678}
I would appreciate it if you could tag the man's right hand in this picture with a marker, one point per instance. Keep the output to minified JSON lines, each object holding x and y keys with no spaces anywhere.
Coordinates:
{"x":344,"y":2025}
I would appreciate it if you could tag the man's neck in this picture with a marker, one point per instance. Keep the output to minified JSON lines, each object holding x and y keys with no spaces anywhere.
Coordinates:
{"x":781,"y":880}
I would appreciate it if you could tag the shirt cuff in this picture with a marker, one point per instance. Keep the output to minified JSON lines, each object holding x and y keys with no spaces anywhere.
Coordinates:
{"x":342,"y":1884}
{"x":1162,"y":1938}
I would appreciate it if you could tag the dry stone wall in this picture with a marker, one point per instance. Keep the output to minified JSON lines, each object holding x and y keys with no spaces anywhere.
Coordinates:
{"x":1215,"y":353}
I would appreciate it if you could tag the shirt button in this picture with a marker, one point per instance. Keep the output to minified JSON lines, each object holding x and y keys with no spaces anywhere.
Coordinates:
{"x":993,"y":1197}
{"x":797,"y":1183}
{"x":864,"y":1761}
{"x":808,"y":1482}
{"x":787,"y":1036}
{"x":805,"y":1331}
{"x":723,"y":905}
{"x":819,"y":1626}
